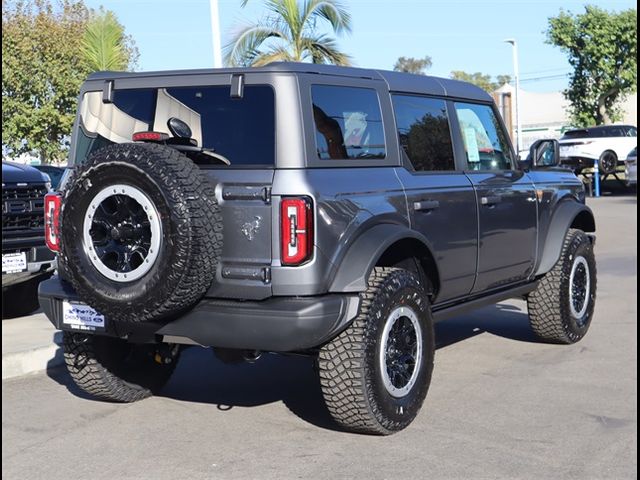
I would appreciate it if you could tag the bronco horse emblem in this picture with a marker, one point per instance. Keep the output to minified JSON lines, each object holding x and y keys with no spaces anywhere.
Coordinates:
{"x":249,"y":229}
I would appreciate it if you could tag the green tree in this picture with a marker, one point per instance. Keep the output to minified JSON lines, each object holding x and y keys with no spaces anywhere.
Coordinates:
{"x":482,"y":80}
{"x":42,"y":70}
{"x":43,"y":66}
{"x":290,"y":32}
{"x":412,"y":65}
{"x":602,"y":48}
{"x":105,"y":46}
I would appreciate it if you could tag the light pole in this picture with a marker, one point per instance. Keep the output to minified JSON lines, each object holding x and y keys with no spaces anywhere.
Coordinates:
{"x":516,"y":74}
{"x":215,"y":33}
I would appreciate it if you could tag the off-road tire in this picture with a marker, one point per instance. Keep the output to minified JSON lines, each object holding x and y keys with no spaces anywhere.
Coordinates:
{"x":191,"y":232}
{"x":550,"y":312}
{"x":112,"y":369}
{"x":350,"y":376}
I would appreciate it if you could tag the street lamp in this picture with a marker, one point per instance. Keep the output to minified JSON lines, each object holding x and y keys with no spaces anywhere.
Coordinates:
{"x":215,"y":33}
{"x":516,"y":74}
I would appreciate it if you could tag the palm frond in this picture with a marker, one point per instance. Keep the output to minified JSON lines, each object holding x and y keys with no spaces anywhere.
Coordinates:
{"x":245,"y":46}
{"x":323,"y":49}
{"x":103,"y":44}
{"x":275,"y":54}
{"x":332,"y":11}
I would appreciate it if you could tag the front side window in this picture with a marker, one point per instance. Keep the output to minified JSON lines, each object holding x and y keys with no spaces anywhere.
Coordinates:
{"x":485,"y":141}
{"x":240,"y":129}
{"x":423,"y":130}
{"x":348,"y":123}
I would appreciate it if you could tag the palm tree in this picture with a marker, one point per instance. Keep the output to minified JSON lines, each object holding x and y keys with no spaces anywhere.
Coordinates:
{"x":289,"y":33}
{"x":104,"y":45}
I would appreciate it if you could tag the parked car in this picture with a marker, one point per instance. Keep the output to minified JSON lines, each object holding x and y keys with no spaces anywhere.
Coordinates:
{"x":25,"y":258}
{"x":55,"y":173}
{"x":631,"y":167}
{"x":305,"y":209}
{"x":607,"y":144}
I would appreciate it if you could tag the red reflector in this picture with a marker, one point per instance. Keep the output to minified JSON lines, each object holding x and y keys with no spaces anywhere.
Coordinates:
{"x":149,"y":136}
{"x":52,"y":205}
{"x":296,"y":230}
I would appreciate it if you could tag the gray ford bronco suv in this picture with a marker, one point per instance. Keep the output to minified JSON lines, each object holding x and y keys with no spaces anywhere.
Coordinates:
{"x":308,"y":209}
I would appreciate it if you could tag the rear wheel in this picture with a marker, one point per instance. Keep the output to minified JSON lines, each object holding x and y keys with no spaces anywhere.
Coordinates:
{"x":375,"y":375}
{"x":113,"y":369}
{"x":608,"y":162}
{"x":562,"y":305}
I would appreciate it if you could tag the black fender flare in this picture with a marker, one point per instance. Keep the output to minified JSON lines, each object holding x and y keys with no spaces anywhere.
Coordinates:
{"x":568,"y":213}
{"x":362,"y":256}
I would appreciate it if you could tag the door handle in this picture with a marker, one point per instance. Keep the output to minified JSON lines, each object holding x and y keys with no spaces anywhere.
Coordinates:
{"x":491,"y":200}
{"x":426,"y":205}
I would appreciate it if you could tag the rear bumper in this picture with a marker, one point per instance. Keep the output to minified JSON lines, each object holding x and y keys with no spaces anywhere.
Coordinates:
{"x":279,"y":324}
{"x":40,"y":260}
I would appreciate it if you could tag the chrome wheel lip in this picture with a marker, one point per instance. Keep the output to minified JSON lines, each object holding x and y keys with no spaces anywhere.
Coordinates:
{"x":154,"y":224}
{"x":398,"y":313}
{"x":579,"y":288}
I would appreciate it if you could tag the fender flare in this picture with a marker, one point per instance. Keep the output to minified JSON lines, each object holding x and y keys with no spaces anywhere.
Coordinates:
{"x":564,"y":217}
{"x":360,"y":259}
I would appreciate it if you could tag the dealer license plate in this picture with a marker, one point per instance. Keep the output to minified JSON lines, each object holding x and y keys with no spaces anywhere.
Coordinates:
{"x":14,"y":262}
{"x":81,"y":316}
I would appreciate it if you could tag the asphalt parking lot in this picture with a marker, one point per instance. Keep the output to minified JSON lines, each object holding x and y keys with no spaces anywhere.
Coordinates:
{"x":501,"y":405}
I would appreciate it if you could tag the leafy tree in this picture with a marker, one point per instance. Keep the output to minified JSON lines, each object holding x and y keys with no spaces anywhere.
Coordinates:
{"x":105,"y":46}
{"x":482,"y":80}
{"x":602,"y":48}
{"x":412,"y":65}
{"x":43,"y":67}
{"x":289,"y":33}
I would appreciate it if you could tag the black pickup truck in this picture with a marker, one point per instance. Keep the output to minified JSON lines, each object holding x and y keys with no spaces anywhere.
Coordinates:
{"x":25,"y":258}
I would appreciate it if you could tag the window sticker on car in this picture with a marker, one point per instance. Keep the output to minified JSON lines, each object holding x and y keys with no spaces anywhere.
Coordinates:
{"x":470,"y":140}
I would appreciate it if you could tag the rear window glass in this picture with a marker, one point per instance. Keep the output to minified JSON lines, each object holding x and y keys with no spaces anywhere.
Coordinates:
{"x":240,"y":129}
{"x":348,"y":123}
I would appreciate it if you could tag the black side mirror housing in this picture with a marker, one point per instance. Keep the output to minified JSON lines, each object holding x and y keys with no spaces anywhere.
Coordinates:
{"x":543,"y":153}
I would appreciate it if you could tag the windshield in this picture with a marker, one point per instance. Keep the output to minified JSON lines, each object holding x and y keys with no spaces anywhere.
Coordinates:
{"x":240,"y":129}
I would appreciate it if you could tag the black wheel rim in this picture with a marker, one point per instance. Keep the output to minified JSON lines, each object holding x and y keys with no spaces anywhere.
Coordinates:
{"x":400,"y":351}
{"x":122,"y":233}
{"x":579,"y":290}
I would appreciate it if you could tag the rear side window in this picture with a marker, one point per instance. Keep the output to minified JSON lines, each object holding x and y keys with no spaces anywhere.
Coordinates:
{"x":485,"y":141}
{"x":348,"y":123}
{"x":240,"y":129}
{"x":423,"y":130}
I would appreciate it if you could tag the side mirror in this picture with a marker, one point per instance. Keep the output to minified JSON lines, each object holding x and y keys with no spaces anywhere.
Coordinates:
{"x":544,"y":154}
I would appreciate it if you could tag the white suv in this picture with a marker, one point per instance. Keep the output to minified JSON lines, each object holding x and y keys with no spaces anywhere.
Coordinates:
{"x":608,"y":144}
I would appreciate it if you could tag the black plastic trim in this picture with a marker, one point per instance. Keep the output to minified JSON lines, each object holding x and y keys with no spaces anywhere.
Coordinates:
{"x":279,"y":324}
{"x":447,"y":311}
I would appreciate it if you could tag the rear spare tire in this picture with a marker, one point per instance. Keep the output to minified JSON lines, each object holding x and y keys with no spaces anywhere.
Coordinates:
{"x":141,"y":232}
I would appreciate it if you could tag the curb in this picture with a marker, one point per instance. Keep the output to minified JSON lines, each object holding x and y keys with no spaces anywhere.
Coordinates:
{"x":32,"y":361}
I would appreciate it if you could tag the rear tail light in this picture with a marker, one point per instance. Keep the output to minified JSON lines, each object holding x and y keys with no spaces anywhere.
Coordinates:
{"x":296,"y":230}
{"x":52,"y":205}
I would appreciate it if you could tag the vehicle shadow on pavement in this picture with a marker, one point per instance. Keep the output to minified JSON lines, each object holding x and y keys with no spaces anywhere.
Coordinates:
{"x":502,"y":320}
{"x":201,"y":378}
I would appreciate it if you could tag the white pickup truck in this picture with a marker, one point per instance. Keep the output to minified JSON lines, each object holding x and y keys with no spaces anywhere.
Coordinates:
{"x":607,"y":144}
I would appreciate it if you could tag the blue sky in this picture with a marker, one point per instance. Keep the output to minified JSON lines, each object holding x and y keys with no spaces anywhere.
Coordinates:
{"x":456,"y":34}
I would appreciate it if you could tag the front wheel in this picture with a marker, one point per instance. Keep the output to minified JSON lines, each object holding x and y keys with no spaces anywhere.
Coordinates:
{"x":375,"y":374}
{"x":562,"y":305}
{"x":113,"y":369}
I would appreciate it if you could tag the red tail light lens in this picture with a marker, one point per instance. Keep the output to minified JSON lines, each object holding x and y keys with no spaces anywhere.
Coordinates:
{"x":149,"y":137}
{"x":52,"y":205}
{"x":296,"y":230}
